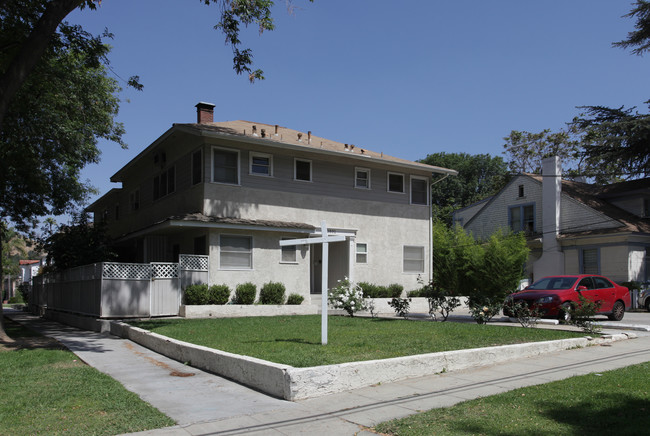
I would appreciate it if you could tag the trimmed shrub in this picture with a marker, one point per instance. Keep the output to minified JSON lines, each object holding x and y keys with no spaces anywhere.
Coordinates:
{"x":295,"y":299}
{"x":245,"y":293}
{"x":395,"y":290}
{"x":375,"y":291}
{"x":196,"y":294}
{"x":218,"y":294}
{"x":17,"y":299}
{"x":272,"y":293}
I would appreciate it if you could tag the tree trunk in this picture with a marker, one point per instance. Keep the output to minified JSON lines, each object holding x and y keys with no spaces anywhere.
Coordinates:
{"x":31,"y":51}
{"x":3,"y":334}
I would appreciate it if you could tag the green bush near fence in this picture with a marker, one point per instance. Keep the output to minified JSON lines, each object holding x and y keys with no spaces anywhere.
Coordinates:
{"x":272,"y":293}
{"x":371,"y":290}
{"x":295,"y":299}
{"x":196,"y":295}
{"x":245,"y":293}
{"x":202,"y":294}
{"x":218,"y":294}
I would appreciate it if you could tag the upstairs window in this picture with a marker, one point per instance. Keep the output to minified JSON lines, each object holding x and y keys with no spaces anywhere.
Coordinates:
{"x":419,"y":191}
{"x":522,"y":218}
{"x":134,"y":199}
{"x":362,"y":178}
{"x":225,"y":166}
{"x":521,"y":191}
{"x":261,"y":164}
{"x":197,"y":167}
{"x":302,"y":170}
{"x":164,"y":183}
{"x":396,"y":183}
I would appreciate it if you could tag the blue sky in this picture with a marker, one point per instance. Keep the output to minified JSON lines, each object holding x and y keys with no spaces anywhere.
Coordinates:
{"x":405,"y":78}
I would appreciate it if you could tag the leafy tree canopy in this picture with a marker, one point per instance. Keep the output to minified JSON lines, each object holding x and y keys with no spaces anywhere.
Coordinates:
{"x":479,"y":176}
{"x":603,"y":143}
{"x":79,"y":243}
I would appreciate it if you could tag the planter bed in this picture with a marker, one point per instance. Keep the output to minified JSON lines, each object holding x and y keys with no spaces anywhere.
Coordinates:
{"x":240,"y":310}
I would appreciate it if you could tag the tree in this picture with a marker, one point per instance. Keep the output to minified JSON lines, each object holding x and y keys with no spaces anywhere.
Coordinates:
{"x":525,"y":150}
{"x":79,"y":243}
{"x":56,"y":101}
{"x":479,"y":176}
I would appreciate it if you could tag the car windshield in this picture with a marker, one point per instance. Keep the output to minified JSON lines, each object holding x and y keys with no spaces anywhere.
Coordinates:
{"x":549,"y":283}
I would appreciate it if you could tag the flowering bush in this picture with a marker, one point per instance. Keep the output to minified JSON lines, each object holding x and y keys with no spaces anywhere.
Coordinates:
{"x":483,"y":311}
{"x":347,"y":296}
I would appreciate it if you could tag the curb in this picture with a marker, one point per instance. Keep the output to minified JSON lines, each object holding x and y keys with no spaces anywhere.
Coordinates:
{"x":289,"y":383}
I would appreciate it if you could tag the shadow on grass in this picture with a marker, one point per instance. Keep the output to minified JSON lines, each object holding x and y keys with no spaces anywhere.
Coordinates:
{"x":627,"y":416}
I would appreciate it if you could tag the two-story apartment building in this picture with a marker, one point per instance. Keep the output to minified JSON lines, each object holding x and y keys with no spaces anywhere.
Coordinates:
{"x":572,"y":227}
{"x":233,"y":190}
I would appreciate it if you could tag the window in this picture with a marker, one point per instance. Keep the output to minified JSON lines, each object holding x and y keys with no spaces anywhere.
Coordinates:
{"x":522,"y":218}
{"x":646,"y":207}
{"x":261,"y":164}
{"x":134,"y":199}
{"x":289,"y":254}
{"x":225,"y":166}
{"x":419,"y":191}
{"x":587,"y":282}
{"x":164,"y":183}
{"x":117,"y":212}
{"x":302,"y":170}
{"x":589,"y":261}
{"x":413,"y":259}
{"x":362,"y":178}
{"x":602,"y":283}
{"x":521,"y":191}
{"x":395,"y":182}
{"x":236,"y":252}
{"x":362,"y":252}
{"x":197,"y":167}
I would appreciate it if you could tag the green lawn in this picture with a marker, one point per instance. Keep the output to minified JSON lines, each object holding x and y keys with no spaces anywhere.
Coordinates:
{"x":47,"y":390}
{"x":614,"y":402}
{"x":295,"y":340}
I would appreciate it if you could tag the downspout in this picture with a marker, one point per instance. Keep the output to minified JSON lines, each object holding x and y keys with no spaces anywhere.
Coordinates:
{"x":431,"y":226}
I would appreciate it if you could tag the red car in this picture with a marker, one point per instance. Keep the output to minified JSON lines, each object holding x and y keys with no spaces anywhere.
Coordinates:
{"x":552,"y":295}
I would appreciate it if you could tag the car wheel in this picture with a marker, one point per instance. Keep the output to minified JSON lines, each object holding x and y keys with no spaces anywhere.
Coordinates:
{"x":647,"y":304}
{"x":618,"y":311}
{"x":565,"y":312}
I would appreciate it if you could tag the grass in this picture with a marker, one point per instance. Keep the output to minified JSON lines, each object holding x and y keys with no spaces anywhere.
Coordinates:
{"x":613,"y":402}
{"x":295,"y":340}
{"x":48,"y":390}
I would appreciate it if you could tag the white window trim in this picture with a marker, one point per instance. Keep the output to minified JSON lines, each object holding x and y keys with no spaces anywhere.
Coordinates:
{"x":427,"y":187}
{"x":289,"y":262}
{"x":221,"y":268}
{"x":367,"y":170}
{"x":252,"y":155}
{"x":311,"y":170}
{"x":388,"y":182}
{"x":238,"y":166}
{"x":424,"y":255}
{"x":356,"y":253}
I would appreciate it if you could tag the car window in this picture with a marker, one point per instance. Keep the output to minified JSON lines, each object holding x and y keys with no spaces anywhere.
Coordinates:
{"x":587,"y":282}
{"x":553,"y":283}
{"x":602,"y":283}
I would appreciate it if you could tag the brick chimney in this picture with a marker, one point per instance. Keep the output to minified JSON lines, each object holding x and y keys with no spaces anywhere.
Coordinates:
{"x":204,"y":112}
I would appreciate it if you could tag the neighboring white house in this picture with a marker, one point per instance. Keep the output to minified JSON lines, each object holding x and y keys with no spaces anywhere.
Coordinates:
{"x":28,"y":269}
{"x":572,"y":227}
{"x":234,"y":190}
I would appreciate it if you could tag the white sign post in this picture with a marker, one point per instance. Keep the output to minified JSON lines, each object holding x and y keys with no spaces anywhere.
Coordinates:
{"x":324,"y":239}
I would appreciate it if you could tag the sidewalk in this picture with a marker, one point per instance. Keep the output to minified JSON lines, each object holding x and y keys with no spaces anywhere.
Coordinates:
{"x":205,"y":404}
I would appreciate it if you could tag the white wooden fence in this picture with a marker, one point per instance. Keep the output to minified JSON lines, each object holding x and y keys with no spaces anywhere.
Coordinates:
{"x":119,"y":290}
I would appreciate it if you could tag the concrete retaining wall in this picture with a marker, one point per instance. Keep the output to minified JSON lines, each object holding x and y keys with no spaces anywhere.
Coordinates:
{"x":291,"y":383}
{"x":236,"y":310}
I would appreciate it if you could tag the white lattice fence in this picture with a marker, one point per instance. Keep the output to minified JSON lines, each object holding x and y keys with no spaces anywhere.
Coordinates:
{"x":164,"y":270}
{"x":131,"y":271}
{"x":194,"y":262}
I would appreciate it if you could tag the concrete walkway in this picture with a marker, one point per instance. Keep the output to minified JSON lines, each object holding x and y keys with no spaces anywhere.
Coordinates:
{"x":205,"y":404}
